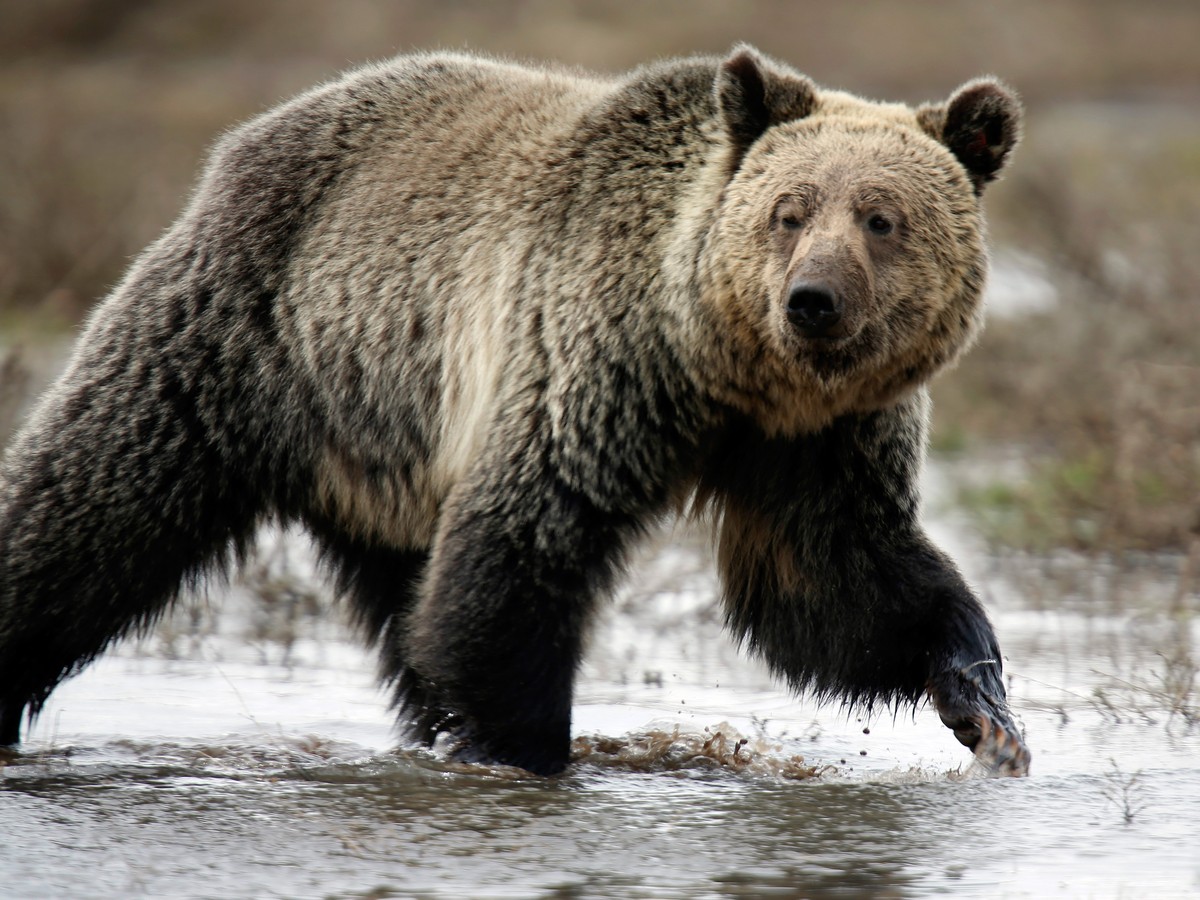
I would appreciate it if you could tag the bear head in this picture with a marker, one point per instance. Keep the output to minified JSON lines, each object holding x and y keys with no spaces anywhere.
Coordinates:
{"x":846,"y":262}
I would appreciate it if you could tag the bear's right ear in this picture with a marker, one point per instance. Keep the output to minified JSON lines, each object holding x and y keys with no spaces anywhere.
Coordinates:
{"x":753,"y":93}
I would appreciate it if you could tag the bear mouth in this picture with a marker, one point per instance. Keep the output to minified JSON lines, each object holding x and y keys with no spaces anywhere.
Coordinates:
{"x":835,"y":361}
{"x":832,"y":357}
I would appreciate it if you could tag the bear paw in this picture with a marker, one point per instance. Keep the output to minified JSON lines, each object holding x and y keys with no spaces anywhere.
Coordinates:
{"x":981,"y":720}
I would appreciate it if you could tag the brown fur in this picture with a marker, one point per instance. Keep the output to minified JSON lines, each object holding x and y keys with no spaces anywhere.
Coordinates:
{"x":913,"y":300}
{"x":477,"y":324}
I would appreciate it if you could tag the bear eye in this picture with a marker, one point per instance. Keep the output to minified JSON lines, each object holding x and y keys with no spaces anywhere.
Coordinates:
{"x":880,"y":225}
{"x":791,"y":221}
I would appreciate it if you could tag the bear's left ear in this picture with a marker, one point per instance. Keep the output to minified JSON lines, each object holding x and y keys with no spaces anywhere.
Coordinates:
{"x":753,"y":93}
{"x":980,"y":124}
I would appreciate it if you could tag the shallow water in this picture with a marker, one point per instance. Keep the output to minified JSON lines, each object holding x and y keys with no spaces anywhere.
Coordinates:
{"x":243,"y":750}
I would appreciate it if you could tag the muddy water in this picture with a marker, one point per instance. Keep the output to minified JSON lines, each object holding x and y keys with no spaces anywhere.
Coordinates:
{"x":242,"y":750}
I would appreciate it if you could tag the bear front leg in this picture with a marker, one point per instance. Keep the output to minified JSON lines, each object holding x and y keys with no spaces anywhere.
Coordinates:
{"x":497,"y":636}
{"x":828,"y":575}
{"x":965,"y":671}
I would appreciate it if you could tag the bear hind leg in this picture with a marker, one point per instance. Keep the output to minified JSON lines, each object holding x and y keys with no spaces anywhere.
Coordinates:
{"x":381,"y":585}
{"x":110,"y":501}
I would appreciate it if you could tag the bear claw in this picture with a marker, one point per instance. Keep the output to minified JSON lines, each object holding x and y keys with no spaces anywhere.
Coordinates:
{"x":998,"y":746}
{"x":982,"y":723}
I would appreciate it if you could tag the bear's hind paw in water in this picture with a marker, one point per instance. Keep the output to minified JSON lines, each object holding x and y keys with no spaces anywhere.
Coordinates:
{"x":981,"y":721}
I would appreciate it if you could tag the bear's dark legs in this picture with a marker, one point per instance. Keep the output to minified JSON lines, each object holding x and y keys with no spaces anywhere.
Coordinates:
{"x":111,"y":498}
{"x":829,"y":576}
{"x":499,"y":632}
{"x":382,"y":584}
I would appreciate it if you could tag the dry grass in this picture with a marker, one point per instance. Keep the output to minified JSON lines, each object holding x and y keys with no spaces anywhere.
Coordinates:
{"x":717,"y":748}
{"x":1124,"y":792}
{"x":1101,"y":390}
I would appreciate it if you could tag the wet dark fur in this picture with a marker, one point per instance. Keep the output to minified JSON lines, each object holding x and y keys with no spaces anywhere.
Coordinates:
{"x":827,"y":572}
{"x":289,"y":351}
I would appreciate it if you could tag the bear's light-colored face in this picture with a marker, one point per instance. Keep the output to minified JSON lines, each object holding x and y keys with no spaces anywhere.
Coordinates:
{"x":852,"y":254}
{"x":883,"y":221}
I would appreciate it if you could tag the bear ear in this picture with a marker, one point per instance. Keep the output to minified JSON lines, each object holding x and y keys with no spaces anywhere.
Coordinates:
{"x":980,"y":124}
{"x":753,"y":93}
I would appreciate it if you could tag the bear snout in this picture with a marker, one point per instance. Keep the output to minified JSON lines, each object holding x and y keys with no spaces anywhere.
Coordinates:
{"x":814,"y":308}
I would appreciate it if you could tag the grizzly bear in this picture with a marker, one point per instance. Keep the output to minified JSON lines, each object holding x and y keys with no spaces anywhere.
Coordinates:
{"x":476,"y":326}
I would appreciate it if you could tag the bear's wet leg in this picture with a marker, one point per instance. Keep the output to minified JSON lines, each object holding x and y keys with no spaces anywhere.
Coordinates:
{"x":498,"y":634}
{"x":829,"y":576}
{"x":381,"y":584}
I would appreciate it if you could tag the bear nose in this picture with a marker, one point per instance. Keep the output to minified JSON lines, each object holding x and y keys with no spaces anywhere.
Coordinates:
{"x":813,"y":308}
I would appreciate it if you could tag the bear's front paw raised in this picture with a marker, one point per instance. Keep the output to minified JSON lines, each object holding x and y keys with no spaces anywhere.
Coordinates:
{"x":978,"y":715}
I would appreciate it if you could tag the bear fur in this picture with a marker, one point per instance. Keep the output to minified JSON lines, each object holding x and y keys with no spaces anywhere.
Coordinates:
{"x":476,"y":325}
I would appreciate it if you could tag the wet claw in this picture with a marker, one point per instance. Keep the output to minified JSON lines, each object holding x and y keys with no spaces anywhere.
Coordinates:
{"x":981,"y":721}
{"x":995,"y":742}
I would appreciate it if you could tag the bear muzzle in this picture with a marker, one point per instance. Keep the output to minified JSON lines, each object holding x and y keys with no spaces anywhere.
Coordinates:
{"x":815,"y":309}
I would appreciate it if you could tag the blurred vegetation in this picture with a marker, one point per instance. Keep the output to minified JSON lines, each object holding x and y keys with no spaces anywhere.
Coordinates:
{"x":1100,"y":390}
{"x":107,"y":108}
